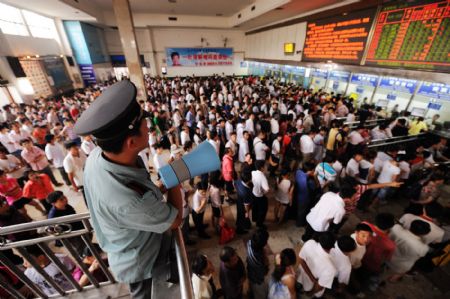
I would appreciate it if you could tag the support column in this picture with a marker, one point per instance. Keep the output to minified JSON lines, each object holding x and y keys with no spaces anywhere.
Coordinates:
{"x":125,"y":24}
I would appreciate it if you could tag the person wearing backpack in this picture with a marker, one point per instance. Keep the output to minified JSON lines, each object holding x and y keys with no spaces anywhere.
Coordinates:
{"x":283,"y":281}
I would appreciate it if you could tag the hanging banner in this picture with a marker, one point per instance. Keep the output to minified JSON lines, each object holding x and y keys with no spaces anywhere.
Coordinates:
{"x":199,"y":56}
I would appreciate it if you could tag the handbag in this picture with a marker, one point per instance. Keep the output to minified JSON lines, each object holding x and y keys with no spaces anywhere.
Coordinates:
{"x":226,"y":233}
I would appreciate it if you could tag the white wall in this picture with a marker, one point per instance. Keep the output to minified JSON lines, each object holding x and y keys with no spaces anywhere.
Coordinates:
{"x":152,"y":43}
{"x":270,"y":44}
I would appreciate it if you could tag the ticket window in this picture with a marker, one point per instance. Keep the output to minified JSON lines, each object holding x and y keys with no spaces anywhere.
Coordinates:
{"x":318,"y":83}
{"x":433,"y":107}
{"x":338,"y":87}
{"x":359,"y":92}
{"x":395,"y":98}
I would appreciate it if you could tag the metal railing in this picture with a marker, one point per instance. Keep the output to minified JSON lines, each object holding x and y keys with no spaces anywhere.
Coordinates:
{"x":399,"y":140}
{"x":60,"y":228}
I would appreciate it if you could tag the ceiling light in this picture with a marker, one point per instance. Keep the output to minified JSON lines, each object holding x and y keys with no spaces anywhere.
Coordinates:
{"x":28,"y":56}
{"x":37,"y":56}
{"x":344,"y":14}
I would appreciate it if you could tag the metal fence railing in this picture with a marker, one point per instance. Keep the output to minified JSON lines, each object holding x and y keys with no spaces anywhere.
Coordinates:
{"x":60,"y":229}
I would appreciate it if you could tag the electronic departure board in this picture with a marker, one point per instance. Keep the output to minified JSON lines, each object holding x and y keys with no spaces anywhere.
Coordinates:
{"x":409,"y":35}
{"x":340,"y":39}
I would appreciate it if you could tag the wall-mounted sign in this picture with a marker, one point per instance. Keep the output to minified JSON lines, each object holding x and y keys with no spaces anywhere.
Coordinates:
{"x":199,"y":56}
{"x":339,"y":76}
{"x":365,"y":80}
{"x":289,"y":48}
{"x":403,"y":85}
{"x":435,"y":90}
{"x":87,"y":74}
{"x":318,"y":73}
{"x":434,"y":106}
{"x":340,"y":38}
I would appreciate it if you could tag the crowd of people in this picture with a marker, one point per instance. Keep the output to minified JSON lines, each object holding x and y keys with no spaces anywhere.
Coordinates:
{"x":303,"y":152}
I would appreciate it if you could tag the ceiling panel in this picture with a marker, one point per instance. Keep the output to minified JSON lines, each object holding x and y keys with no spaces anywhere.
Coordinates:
{"x":182,"y":7}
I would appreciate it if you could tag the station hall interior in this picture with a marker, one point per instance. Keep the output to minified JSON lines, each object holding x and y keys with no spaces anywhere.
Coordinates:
{"x":275,"y":70}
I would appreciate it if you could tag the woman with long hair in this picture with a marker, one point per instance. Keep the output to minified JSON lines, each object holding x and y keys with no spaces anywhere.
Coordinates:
{"x":282,"y":284}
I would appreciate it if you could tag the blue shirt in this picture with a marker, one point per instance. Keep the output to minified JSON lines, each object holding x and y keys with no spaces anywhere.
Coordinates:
{"x":128,"y":216}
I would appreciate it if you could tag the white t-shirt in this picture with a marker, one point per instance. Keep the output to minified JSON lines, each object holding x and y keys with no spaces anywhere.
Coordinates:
{"x":75,"y":165}
{"x":355,"y":138}
{"x":87,"y":147}
{"x":276,"y":148}
{"x":10,"y":163}
{"x":260,"y":149}
{"x":306,"y":144}
{"x":282,"y":192}
{"x":184,"y":137}
{"x":388,"y":172}
{"x":320,"y":264}
{"x":214,"y":195}
{"x":341,"y":263}
{"x":380,"y":159}
{"x":436,"y":234}
{"x":7,"y":143}
{"x":159,"y":161}
{"x":197,"y":199}
{"x":405,"y":170}
{"x":364,"y":171}
{"x":330,"y":208}
{"x":409,"y":248}
{"x":352,"y":168}
{"x":357,"y":255}
{"x":53,"y":271}
{"x":260,"y":183}
{"x":55,"y":153}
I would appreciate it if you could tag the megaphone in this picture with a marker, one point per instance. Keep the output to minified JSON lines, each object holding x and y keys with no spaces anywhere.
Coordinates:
{"x":202,"y":159}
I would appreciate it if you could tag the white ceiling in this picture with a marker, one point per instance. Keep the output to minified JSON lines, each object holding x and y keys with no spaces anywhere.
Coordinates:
{"x":182,"y":7}
{"x":51,"y":8}
{"x":291,"y":9}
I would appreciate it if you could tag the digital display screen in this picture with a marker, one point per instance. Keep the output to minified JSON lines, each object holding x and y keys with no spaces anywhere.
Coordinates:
{"x":341,"y":39}
{"x":412,"y":35}
{"x":289,"y":48}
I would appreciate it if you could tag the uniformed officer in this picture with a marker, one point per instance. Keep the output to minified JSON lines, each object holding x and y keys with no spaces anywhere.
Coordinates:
{"x":127,"y":211}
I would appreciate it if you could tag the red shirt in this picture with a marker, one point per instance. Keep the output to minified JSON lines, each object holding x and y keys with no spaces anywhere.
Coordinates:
{"x":379,"y":250}
{"x":11,"y":190}
{"x":39,"y":190}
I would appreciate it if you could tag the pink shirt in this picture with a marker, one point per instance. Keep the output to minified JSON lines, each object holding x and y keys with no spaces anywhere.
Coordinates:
{"x":11,"y":190}
{"x":227,"y":168}
{"x":31,"y":155}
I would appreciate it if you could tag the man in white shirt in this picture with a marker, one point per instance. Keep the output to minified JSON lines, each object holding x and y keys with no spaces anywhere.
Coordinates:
{"x":307,"y":145}
{"x":389,"y":174}
{"x":409,"y":247}
{"x":340,"y":255}
{"x":260,"y":147}
{"x":87,"y":146}
{"x":5,"y":140}
{"x":316,"y":270}
{"x":232,"y":144}
{"x":184,"y":136}
{"x":250,"y":124}
{"x":327,"y":214}
{"x":352,"y":168}
{"x":243,"y":146}
{"x":74,"y":166}
{"x":229,"y":129}
{"x":430,"y":212}
{"x":158,"y":158}
{"x":383,"y":157}
{"x":362,"y":236}
{"x":55,"y":155}
{"x":355,"y":136}
{"x":260,"y":188}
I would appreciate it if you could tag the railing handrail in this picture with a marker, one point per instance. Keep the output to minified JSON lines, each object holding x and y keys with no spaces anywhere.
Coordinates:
{"x":182,"y":261}
{"x":394,"y":138}
{"x":17,"y":228}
